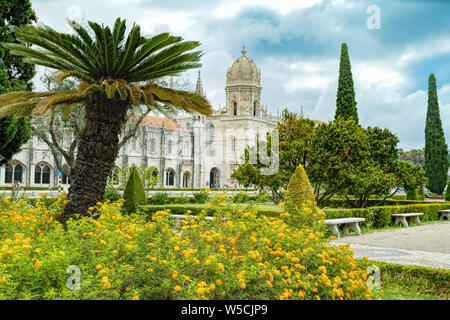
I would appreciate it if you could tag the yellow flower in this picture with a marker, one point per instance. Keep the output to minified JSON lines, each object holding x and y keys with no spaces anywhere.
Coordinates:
{"x":102,"y":241}
{"x":200,"y":290}
{"x":37,"y":264}
{"x":136,"y":298}
{"x":208,"y":262}
{"x":177,"y":288}
{"x":243,"y":285}
{"x":218,"y":282}
{"x":37,"y":250}
{"x":98,"y":267}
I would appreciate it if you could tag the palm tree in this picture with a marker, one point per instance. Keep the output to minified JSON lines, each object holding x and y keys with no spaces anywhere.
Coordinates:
{"x":116,"y":76}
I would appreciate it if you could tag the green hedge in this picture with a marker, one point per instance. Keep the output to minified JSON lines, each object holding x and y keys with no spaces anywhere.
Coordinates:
{"x":380,"y":217}
{"x":342,"y":203}
{"x":435,"y":280}
{"x":30,"y":188}
{"x":189,"y":199}
{"x":377,"y":217}
{"x":197,"y":208}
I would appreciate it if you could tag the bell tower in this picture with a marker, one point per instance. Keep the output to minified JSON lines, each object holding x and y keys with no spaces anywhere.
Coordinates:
{"x":243,"y":89}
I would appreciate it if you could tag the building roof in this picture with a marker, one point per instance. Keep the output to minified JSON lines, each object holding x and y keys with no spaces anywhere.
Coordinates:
{"x":159,"y":122}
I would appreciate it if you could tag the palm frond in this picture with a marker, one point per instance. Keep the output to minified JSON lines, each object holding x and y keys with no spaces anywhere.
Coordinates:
{"x":56,"y":99}
{"x":179,"y":99}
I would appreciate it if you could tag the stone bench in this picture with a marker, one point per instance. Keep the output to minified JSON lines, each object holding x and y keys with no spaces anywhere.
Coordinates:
{"x":349,"y":223}
{"x":401,"y":217}
{"x":444,"y":214}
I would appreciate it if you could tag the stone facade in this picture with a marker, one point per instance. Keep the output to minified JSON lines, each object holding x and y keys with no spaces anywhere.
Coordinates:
{"x":191,"y":151}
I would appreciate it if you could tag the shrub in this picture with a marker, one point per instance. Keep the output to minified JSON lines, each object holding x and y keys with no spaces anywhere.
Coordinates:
{"x":299,"y":190}
{"x":134,"y":194}
{"x":412,"y":194}
{"x":300,"y":200}
{"x":201,"y":197}
{"x":160,"y":198}
{"x":247,"y":256}
{"x":111,"y":195}
{"x":241,"y":197}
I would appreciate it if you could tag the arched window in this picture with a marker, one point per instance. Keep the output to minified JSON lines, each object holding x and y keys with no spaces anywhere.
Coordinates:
{"x":8,"y":173}
{"x":18,"y":173}
{"x":254,"y":109}
{"x":155,"y":174}
{"x":235,"y":109}
{"x":169,"y":147}
{"x":170,"y":178}
{"x":188,"y":126}
{"x":37,"y":174}
{"x":41,"y":174}
{"x":186,"y":179}
{"x":133,"y":144}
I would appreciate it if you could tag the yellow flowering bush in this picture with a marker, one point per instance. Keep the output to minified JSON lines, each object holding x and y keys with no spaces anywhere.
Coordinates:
{"x":237,"y":255}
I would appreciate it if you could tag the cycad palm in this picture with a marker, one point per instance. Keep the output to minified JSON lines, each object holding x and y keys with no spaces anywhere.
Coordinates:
{"x":116,"y":75}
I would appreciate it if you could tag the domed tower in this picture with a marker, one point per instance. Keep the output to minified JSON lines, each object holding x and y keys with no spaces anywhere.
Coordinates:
{"x":243,"y":89}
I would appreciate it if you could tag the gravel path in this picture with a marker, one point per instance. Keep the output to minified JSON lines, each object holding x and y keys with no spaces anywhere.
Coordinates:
{"x":427,"y":245}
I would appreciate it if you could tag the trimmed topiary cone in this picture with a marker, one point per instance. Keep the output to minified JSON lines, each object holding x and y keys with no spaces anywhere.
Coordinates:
{"x":300,"y":202}
{"x":300,"y":191}
{"x":412,"y":194}
{"x":134,"y":193}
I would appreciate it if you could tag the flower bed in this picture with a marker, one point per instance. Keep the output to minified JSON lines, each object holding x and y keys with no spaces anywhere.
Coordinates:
{"x":246,"y":256}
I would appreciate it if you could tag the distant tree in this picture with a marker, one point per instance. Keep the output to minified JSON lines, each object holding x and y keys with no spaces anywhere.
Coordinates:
{"x":339,"y":149}
{"x":295,"y":138}
{"x":15,"y":75}
{"x":345,"y":100}
{"x":409,"y":176}
{"x":416,"y":156}
{"x":436,"y":151}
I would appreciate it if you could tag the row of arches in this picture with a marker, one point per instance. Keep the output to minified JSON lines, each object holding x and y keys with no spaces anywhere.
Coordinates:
{"x":42,"y":174}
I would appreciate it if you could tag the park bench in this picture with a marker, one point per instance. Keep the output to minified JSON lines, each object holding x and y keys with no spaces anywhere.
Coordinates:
{"x":444,"y":214}
{"x":349,"y":223}
{"x":401,"y":217}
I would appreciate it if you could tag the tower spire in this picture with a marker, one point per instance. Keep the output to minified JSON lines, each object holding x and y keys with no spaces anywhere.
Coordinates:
{"x":199,"y":88}
{"x":243,"y":49}
{"x":301,"y":112}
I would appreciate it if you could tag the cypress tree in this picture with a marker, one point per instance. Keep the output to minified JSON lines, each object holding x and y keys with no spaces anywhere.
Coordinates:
{"x":436,"y":151}
{"x":134,"y":193}
{"x":14,"y":75}
{"x":345,"y":100}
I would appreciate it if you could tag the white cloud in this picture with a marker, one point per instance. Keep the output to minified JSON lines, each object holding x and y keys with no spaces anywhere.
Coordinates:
{"x":230,"y":8}
{"x":424,"y":49}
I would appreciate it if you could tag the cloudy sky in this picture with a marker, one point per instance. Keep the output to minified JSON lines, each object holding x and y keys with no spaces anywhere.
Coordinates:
{"x":296,"y":43}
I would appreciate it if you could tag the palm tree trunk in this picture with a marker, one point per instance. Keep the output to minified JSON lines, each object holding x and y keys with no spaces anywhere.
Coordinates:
{"x":97,"y":152}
